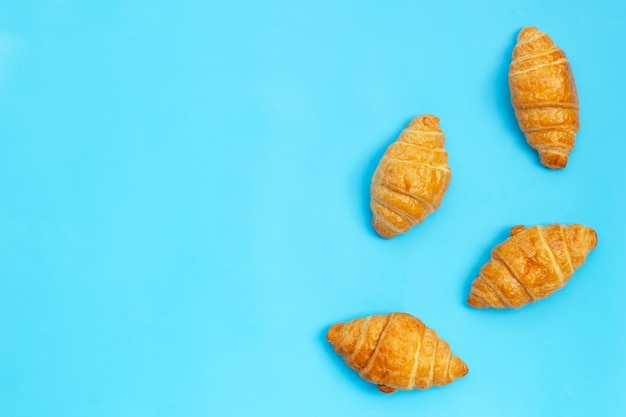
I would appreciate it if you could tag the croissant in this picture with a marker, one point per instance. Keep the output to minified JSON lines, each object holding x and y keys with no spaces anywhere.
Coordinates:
{"x":396,"y":351}
{"x":544,"y":96}
{"x":531,"y":264}
{"x":411,"y":178}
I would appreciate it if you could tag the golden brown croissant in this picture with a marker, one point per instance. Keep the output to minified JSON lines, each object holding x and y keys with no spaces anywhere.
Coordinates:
{"x":531,"y":264}
{"x":411,"y":178}
{"x":544,"y":96}
{"x":396,"y":351}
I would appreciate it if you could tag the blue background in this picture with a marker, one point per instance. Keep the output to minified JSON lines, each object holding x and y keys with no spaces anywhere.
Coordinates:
{"x":184,"y":192}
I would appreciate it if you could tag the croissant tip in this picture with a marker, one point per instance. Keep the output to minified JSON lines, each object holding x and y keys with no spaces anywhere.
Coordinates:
{"x":527,"y":33}
{"x":458,"y":368}
{"x":333,"y":333}
{"x":429,"y":121}
{"x":464,"y":370}
{"x":385,"y":235}
{"x":383,"y":230}
{"x":517,"y":229}
{"x":476,"y":302}
{"x":553,"y":160}
{"x":592,"y":237}
{"x":595,"y":237}
{"x":385,"y":389}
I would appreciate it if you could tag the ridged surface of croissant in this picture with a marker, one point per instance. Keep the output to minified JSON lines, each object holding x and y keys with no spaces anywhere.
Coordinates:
{"x":544,"y":96}
{"x":397,"y":351}
{"x":531,"y":264}
{"x":411,"y":178}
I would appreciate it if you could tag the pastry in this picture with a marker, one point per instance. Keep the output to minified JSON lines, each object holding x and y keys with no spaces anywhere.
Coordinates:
{"x":531,"y":264}
{"x":411,"y":178}
{"x":544,"y":96}
{"x":396,"y":351}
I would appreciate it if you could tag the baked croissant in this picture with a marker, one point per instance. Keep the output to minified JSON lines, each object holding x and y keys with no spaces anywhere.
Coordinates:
{"x":544,"y":96}
{"x":531,"y":264}
{"x":396,"y":351}
{"x":411,"y":178}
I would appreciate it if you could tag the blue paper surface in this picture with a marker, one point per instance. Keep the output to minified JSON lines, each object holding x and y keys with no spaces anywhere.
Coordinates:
{"x":184,"y":193}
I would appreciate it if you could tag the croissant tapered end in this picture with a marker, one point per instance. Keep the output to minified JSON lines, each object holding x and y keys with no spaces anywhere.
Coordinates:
{"x":381,"y":224}
{"x":476,"y":301}
{"x":385,"y":389}
{"x":532,"y":264}
{"x":482,"y":295}
{"x":458,"y":368}
{"x":581,"y":240}
{"x":411,"y":178}
{"x":554,"y":159}
{"x":334,"y":333}
{"x":343,"y":337}
{"x":356,"y":340}
{"x":544,"y":96}
{"x":527,"y":33}
{"x":426,"y":122}
{"x":396,"y":351}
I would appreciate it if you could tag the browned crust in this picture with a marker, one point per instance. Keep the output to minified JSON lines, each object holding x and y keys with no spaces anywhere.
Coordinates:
{"x":411,"y":178}
{"x":396,"y":351}
{"x":531,"y":265}
{"x":544,"y":96}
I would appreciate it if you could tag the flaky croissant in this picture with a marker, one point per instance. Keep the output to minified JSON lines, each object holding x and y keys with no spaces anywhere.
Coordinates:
{"x":531,"y":264}
{"x":544,"y":96}
{"x":396,"y":351}
{"x":411,"y":178}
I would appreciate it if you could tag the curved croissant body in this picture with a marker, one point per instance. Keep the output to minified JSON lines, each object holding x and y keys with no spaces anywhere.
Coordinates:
{"x":411,"y":178}
{"x":396,"y":351}
{"x":531,"y":264}
{"x":544,"y":96}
